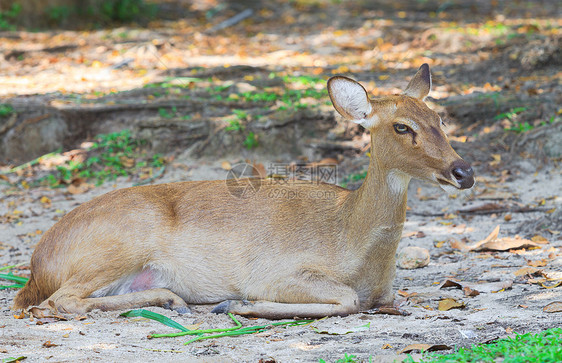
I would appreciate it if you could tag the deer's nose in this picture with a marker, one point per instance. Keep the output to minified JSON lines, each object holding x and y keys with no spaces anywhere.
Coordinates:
{"x":463,"y":173}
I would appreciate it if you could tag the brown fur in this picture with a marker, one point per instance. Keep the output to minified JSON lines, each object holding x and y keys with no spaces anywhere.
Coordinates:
{"x":195,"y":243}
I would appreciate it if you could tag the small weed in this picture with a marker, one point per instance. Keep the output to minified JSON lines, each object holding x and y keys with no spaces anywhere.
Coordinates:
{"x":251,"y":141}
{"x":510,"y":115}
{"x":112,"y":155}
{"x":234,"y":125}
{"x":6,"y":110}
{"x":348,"y":358}
{"x":167,"y":114}
{"x":521,"y":127}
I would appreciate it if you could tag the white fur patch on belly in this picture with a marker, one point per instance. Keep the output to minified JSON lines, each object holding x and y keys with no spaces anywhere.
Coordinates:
{"x":144,"y":280}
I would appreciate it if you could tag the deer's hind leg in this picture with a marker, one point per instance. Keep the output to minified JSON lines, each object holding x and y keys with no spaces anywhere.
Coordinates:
{"x":75,"y":298}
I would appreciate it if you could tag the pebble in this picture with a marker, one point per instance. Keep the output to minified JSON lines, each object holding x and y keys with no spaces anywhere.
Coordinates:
{"x":412,"y":257}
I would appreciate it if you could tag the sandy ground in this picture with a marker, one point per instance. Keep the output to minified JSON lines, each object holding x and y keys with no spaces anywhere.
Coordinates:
{"x":104,"y":336}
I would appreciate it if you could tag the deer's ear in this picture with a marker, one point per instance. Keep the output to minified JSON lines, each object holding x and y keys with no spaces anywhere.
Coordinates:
{"x":351,"y":101}
{"x":420,"y":86}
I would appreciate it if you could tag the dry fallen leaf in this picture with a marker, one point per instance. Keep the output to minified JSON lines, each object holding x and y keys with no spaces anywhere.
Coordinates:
{"x":473,"y":289}
{"x":526,"y":271}
{"x":259,"y":170}
{"x":538,"y":263}
{"x":493,"y":243}
{"x":226,"y":165}
{"x":448,"y":304}
{"x":470,"y":292}
{"x":553,"y":307}
{"x":48,"y":344}
{"x":539,"y":239}
{"x":386,"y":346}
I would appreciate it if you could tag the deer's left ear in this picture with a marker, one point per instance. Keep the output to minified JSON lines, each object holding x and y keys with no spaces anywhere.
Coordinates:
{"x":420,"y":86}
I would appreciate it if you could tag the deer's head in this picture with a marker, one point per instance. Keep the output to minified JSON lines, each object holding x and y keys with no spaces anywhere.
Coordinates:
{"x":407,"y":136}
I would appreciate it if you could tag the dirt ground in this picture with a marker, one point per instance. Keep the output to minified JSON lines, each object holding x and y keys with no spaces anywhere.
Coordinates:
{"x":486,"y":60}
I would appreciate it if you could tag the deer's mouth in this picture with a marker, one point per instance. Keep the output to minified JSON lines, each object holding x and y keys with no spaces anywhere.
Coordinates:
{"x":448,"y":186}
{"x":447,"y":182}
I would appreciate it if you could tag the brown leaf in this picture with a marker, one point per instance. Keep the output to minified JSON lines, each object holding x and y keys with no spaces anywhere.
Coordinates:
{"x":48,"y":344}
{"x":526,"y":271}
{"x":539,"y":239}
{"x":387,"y":310}
{"x":538,"y":263}
{"x":424,"y":347}
{"x":448,"y":304}
{"x":504,"y":244}
{"x":472,"y":289}
{"x":259,"y":170}
{"x":458,"y":245}
{"x":77,"y":188}
{"x":451,"y":283}
{"x":226,"y":165}
{"x":553,"y":307}
{"x":470,"y":292}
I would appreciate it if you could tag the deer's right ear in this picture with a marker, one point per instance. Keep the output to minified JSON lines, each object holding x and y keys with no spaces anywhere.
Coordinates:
{"x":351,"y":100}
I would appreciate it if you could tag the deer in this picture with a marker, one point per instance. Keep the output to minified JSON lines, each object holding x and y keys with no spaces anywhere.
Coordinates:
{"x":193,"y":242}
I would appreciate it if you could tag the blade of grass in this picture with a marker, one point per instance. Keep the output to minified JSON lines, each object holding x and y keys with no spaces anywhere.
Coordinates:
{"x":155,"y":316}
{"x":225,"y":334}
{"x":11,"y":266}
{"x":201,"y":331}
{"x":11,"y":277}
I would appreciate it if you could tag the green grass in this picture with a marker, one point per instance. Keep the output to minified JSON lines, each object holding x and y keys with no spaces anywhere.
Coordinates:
{"x":112,"y":155}
{"x":203,"y":334}
{"x":544,"y":347}
{"x":347,"y":358}
{"x":251,"y":141}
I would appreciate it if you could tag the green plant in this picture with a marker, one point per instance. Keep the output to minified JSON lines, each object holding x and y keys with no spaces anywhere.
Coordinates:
{"x":167,"y":114}
{"x":510,"y":115}
{"x":112,"y":155}
{"x":251,"y":141}
{"x":7,"y":17}
{"x":234,"y":125}
{"x":6,"y":110}
{"x":544,"y":347}
{"x":348,"y":358}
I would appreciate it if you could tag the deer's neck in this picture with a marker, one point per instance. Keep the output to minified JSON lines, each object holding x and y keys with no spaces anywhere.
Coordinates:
{"x":378,"y":207}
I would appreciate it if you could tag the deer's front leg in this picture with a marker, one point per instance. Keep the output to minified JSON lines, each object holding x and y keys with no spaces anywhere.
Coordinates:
{"x":308,"y":296}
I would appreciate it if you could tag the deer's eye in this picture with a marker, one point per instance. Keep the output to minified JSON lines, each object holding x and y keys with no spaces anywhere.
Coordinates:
{"x":401,"y":129}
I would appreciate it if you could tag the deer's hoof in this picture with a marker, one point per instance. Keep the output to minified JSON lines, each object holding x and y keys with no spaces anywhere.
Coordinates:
{"x":222,"y":308}
{"x":182,"y":310}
